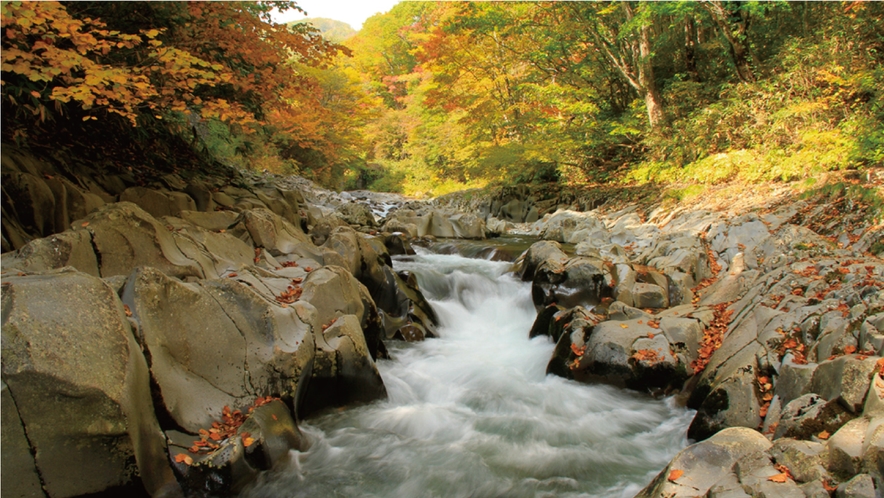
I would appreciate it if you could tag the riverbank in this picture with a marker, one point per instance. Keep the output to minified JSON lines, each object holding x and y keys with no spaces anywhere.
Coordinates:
{"x":134,"y":298}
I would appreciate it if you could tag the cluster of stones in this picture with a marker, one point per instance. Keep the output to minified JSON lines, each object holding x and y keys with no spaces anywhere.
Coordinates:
{"x":758,"y":323}
{"x":134,"y":316}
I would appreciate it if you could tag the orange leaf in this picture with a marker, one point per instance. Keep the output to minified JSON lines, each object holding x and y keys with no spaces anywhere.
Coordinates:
{"x":849,"y":349}
{"x":782,"y":477}
{"x":274,"y":416}
{"x":823,"y":435}
{"x":624,"y":326}
{"x":650,"y":335}
{"x":675,"y":474}
{"x":247,"y":441}
{"x":214,"y":436}
{"x":182,"y":458}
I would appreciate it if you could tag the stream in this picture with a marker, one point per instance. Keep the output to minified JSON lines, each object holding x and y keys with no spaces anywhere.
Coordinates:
{"x":473,"y":414}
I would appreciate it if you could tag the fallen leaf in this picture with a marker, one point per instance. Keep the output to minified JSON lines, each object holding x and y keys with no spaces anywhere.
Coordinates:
{"x":624,"y":326}
{"x":247,"y":441}
{"x":850,"y":349}
{"x":675,"y":474}
{"x":127,"y":310}
{"x":85,"y":224}
{"x":182,"y":458}
{"x":273,"y":415}
{"x":650,"y":335}
{"x":782,"y":477}
{"x":829,"y":485}
{"x":823,"y":435}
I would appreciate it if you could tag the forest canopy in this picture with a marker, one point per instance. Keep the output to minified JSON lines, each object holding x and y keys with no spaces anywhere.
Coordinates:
{"x":437,"y":96}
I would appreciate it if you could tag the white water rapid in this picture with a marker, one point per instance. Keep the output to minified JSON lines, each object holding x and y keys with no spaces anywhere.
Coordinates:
{"x":473,"y":414}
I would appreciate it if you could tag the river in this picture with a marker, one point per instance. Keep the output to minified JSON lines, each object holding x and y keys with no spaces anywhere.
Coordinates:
{"x":473,"y":414}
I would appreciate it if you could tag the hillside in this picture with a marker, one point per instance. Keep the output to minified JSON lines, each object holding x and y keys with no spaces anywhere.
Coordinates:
{"x":333,"y":31}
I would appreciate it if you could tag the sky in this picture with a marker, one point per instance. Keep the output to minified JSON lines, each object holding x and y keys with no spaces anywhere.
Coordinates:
{"x":352,"y":12}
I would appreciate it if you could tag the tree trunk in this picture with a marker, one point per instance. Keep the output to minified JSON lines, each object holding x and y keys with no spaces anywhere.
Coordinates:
{"x":735,"y":34}
{"x":653,"y":102}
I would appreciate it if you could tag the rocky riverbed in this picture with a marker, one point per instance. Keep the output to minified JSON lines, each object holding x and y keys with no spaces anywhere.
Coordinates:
{"x":165,"y":334}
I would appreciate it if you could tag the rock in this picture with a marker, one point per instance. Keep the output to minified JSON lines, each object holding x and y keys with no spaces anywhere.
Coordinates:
{"x":620,"y":312}
{"x":624,"y":281}
{"x":218,"y":343}
{"x":28,"y":200}
{"x":17,"y":458}
{"x":860,"y":486}
{"x":343,"y":372}
{"x":212,"y":221}
{"x":804,"y":459}
{"x":755,"y":469}
{"x":544,"y":322}
{"x":873,"y":451}
{"x":125,"y":237}
{"x":846,"y":379}
{"x":731,"y":402}
{"x":70,"y":248}
{"x":230,"y":468}
{"x":467,"y":226}
{"x":794,"y":379}
{"x":809,"y":415}
{"x":80,"y":385}
{"x":706,"y":463}
{"x":649,"y":296}
{"x":158,"y":203}
{"x":538,"y":253}
{"x":357,"y":213}
{"x":276,"y":235}
{"x":584,"y":282}
{"x":845,"y":448}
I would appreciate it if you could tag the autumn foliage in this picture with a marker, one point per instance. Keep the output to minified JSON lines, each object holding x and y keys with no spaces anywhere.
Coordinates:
{"x":191,"y":62}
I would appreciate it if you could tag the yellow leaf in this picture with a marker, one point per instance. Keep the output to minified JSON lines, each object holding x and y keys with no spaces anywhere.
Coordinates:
{"x":782,"y":477}
{"x":152,"y":33}
{"x":623,"y":325}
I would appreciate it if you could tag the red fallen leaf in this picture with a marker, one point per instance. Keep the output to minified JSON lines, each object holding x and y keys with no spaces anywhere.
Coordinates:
{"x":194,"y":448}
{"x":798,"y":292}
{"x":785,"y":470}
{"x":308,"y":269}
{"x":762,"y":380}
{"x":577,"y":351}
{"x":880,"y":364}
{"x":762,"y":412}
{"x":231,"y":275}
{"x":675,"y":474}
{"x":653,"y":324}
{"x":823,"y":435}
{"x":127,"y":310}
{"x":849,"y":349}
{"x":204,"y":432}
{"x":182,"y":458}
{"x":214,"y":436}
{"x":85,"y":224}
{"x":782,"y":477}
{"x":650,"y":335}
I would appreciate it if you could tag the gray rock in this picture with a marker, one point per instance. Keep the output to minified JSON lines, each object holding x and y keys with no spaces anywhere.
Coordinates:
{"x":727,"y":487}
{"x":755,"y":469}
{"x":860,"y":486}
{"x":794,"y":379}
{"x":538,"y":253}
{"x":809,"y":415}
{"x":624,"y":281}
{"x":846,"y":378}
{"x":706,"y":463}
{"x":467,"y":226}
{"x":873,"y":450}
{"x":274,"y":234}
{"x":80,"y":385}
{"x":731,"y":402}
{"x":218,"y":343}
{"x":805,"y":459}
{"x":845,"y":448}
{"x":649,"y":296}
{"x":683,"y":333}
{"x":158,"y":203}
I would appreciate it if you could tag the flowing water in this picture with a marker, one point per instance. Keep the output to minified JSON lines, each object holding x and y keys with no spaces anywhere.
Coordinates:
{"x":472,"y":414}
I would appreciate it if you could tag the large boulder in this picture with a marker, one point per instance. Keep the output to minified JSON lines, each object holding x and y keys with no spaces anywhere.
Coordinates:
{"x":79,"y":387}
{"x":218,"y":343}
{"x":703,"y":465}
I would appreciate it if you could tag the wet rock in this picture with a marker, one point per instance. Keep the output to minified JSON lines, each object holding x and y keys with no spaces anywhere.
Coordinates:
{"x":343,"y":371}
{"x":467,"y":226}
{"x":80,"y":386}
{"x":706,"y":463}
{"x":227,"y":470}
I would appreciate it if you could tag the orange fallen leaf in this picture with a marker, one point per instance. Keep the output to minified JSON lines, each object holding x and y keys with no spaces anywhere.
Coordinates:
{"x":215,"y":436}
{"x":274,"y":416}
{"x":823,"y":435}
{"x":624,"y":326}
{"x":247,"y":441}
{"x":850,"y":349}
{"x":182,"y":458}
{"x":650,"y":335}
{"x":85,"y":224}
{"x":782,"y":477}
{"x":675,"y":474}
{"x":127,"y":310}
